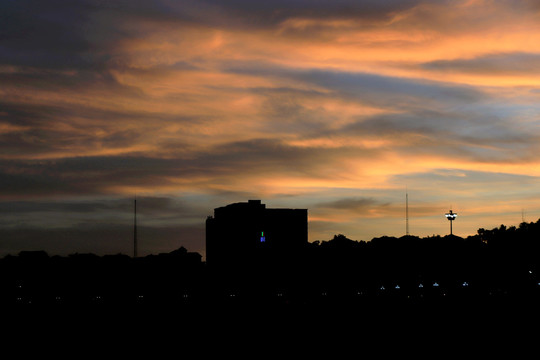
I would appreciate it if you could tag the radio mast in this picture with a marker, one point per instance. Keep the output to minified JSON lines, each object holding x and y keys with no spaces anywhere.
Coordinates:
{"x":135,"y":227}
{"x":407,"y":212}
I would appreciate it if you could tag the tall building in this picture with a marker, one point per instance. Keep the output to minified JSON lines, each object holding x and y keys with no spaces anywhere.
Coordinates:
{"x":247,"y":232}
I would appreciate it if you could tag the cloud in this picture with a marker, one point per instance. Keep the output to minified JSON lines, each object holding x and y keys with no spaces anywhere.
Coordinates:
{"x":44,"y":35}
{"x":241,"y":14}
{"x":102,"y":174}
{"x":390,"y":90}
{"x":469,"y":182}
{"x":355,"y":204}
{"x":377,"y":90}
{"x":79,"y":176}
{"x":147,"y":205}
{"x":82,"y":33}
{"x":350,"y":209}
{"x":504,"y":64}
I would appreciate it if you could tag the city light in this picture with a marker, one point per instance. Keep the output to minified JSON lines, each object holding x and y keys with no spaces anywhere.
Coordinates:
{"x":451,"y":216}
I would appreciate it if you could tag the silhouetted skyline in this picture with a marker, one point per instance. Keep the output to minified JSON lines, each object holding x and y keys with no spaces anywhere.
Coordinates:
{"x":494,"y":267}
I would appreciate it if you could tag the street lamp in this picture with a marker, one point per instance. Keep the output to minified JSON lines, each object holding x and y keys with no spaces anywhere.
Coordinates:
{"x":451,"y":216}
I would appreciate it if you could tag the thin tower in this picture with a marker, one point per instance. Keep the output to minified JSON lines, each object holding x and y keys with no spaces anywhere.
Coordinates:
{"x":135,"y":227}
{"x":451,"y":216}
{"x":407,"y":212}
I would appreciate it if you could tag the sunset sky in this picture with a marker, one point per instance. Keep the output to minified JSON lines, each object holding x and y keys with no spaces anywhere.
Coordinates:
{"x":340,"y":107}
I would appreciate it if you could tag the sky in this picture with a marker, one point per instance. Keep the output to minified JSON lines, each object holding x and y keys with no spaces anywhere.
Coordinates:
{"x":340,"y":107}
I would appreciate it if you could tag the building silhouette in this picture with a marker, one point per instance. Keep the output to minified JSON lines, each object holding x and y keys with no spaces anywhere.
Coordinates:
{"x":245,"y":233}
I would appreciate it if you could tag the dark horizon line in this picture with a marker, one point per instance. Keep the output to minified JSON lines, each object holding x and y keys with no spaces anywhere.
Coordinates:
{"x":314,"y":242}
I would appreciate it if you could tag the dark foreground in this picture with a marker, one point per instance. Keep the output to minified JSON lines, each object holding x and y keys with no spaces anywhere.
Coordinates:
{"x":326,"y":327}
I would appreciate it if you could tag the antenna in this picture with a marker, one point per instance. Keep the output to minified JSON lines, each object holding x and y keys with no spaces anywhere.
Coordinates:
{"x":135,"y":227}
{"x":522,"y":216}
{"x":406,"y":212}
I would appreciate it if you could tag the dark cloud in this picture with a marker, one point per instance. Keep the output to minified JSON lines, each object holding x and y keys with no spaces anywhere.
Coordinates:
{"x":26,"y":114}
{"x":529,"y":6}
{"x":43,"y":34}
{"x":49,"y":129}
{"x":83,"y":34}
{"x":147,"y":205}
{"x":385,"y":90}
{"x":371,"y":89}
{"x":425,"y":123}
{"x":73,"y":42}
{"x":19,"y":184}
{"x":81,"y":176}
{"x":102,"y":174}
{"x":263,"y":156}
{"x":490,"y":181}
{"x":66,"y":82}
{"x":364,"y":207}
{"x":431,"y":125}
{"x":277,"y":11}
{"x":466,"y":135}
{"x":97,"y":175}
{"x":494,"y":64}
{"x":244,"y":14}
{"x":354,"y":204}
{"x":32,"y":141}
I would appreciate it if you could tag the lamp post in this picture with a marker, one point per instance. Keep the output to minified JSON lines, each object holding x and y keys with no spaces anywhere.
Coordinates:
{"x":451,"y":216}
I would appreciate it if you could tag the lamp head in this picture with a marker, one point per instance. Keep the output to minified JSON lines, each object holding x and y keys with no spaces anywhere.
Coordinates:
{"x":451,"y":215}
